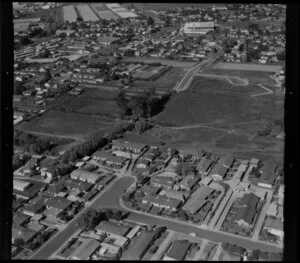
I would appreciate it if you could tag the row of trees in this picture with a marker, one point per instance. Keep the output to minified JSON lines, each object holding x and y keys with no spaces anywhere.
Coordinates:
{"x":184,"y":169}
{"x":142,"y":106}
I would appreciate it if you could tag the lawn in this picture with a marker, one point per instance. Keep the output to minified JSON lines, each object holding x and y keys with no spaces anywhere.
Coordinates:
{"x":65,"y":124}
{"x":248,"y":67}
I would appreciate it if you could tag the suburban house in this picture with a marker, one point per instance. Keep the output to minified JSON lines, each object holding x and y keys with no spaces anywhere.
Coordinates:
{"x":108,"y":158}
{"x":85,"y":250}
{"x":86,"y":176}
{"x":187,"y":183}
{"x":275,"y":227}
{"x":218,"y":172}
{"x":110,"y":228}
{"x":165,"y":182}
{"x":21,"y":185}
{"x":204,"y":165}
{"x":142,"y":163}
{"x":181,"y":196}
{"x":198,"y":199}
{"x":178,"y":250}
{"x":150,"y":190}
{"x":226,"y":161}
{"x":128,"y":146}
{"x":20,"y":219}
{"x":58,"y":203}
{"x":247,"y":210}
{"x":34,"y":208}
{"x":23,"y":233}
{"x":163,"y":202}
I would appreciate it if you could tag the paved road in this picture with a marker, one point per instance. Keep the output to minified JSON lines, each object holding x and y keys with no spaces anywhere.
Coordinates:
{"x":269,"y":91}
{"x":213,"y":235}
{"x":108,"y":198}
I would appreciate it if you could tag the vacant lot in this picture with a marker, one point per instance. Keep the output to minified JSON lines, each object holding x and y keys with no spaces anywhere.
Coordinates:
{"x":249,"y":67}
{"x":166,"y":82}
{"x":96,"y":106}
{"x":254,"y":77}
{"x":64,"y":124}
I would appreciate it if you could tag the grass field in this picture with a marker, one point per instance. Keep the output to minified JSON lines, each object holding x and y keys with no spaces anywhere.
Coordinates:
{"x":89,"y":106}
{"x":221,"y":86}
{"x":255,"y":77}
{"x":248,"y":67}
{"x":99,"y":93}
{"x":242,"y":24}
{"x":173,"y":63}
{"x":70,"y":125}
{"x":166,"y":82}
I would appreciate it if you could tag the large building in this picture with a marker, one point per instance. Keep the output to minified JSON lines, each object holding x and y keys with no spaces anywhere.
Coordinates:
{"x":198,"y":28}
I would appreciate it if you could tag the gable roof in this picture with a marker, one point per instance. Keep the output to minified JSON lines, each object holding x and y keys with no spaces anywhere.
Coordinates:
{"x":112,"y":228}
{"x":179,"y":249}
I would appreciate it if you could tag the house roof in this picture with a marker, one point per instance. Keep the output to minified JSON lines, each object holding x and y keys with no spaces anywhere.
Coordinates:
{"x":246,"y":213}
{"x":58,"y":203}
{"x":219,"y":169}
{"x":85,"y":250}
{"x":164,"y":181}
{"x":129,"y":145}
{"x":179,"y":249}
{"x":34,"y":207}
{"x":249,"y":199}
{"x":23,"y":233}
{"x":204,"y":164}
{"x":109,"y":157}
{"x":149,"y":189}
{"x":19,"y":218}
{"x":112,"y":228}
{"x":163,"y":201}
{"x":226,"y":161}
{"x":273,"y":223}
{"x":174,"y":194}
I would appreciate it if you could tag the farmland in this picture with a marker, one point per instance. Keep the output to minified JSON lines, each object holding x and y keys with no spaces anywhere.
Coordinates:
{"x":121,"y":11}
{"x":93,"y":93}
{"x":86,"y":13}
{"x":63,"y":124}
{"x":248,"y":67}
{"x":69,"y":13}
{"x":157,"y":6}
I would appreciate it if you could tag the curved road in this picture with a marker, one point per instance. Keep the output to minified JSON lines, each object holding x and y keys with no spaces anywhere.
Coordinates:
{"x":110,"y":197}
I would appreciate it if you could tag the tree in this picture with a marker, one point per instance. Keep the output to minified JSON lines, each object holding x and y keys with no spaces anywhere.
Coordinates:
{"x":19,"y":242}
{"x":122,"y":103}
{"x":141,"y":126}
{"x":281,"y":56}
{"x":141,"y":106}
{"x":25,"y":41}
{"x":150,"y":21}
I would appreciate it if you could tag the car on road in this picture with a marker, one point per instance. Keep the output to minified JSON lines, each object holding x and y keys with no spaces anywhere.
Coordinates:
{"x":193,"y":234}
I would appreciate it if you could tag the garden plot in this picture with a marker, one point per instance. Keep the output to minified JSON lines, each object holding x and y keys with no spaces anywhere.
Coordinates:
{"x":69,"y":14}
{"x":87,"y":13}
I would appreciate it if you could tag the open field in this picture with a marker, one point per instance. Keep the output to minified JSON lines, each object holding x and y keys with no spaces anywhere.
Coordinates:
{"x":89,"y":106}
{"x":94,"y":93}
{"x":87,"y":13}
{"x":254,"y":77}
{"x":242,"y":24}
{"x":65,"y":124}
{"x":166,"y":82}
{"x":221,"y":86}
{"x":173,"y":63}
{"x":69,"y":14}
{"x":248,"y":67}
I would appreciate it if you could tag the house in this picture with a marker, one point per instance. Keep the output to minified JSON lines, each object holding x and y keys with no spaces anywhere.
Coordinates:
{"x":178,"y":250}
{"x":86,"y":176}
{"x":85,"y":250}
{"x":204,"y":165}
{"x":198,"y":199}
{"x":206,"y":181}
{"x":226,"y":161}
{"x":34,"y":208}
{"x":110,"y":228}
{"x":142,"y":163}
{"x":21,"y":185}
{"x":168,"y":203}
{"x":108,"y":158}
{"x":20,"y":219}
{"x":181,"y":196}
{"x":58,"y":203}
{"x":275,"y":227}
{"x":268,"y":175}
{"x":125,"y":145}
{"x":247,"y":210}
{"x":272,"y":210}
{"x":150,"y":190}
{"x":133,"y":232}
{"x":187,"y":183}
{"x":218,"y":172}
{"x":109,"y":251}
{"x":165,"y":182}
{"x":23,"y":233}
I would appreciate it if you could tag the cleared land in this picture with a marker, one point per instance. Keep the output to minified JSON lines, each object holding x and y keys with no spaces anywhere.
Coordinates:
{"x":66,"y":124}
{"x":87,"y":13}
{"x":164,"y":83}
{"x":94,"y":93}
{"x":248,"y":67}
{"x":69,"y":14}
{"x":174,"y":63}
